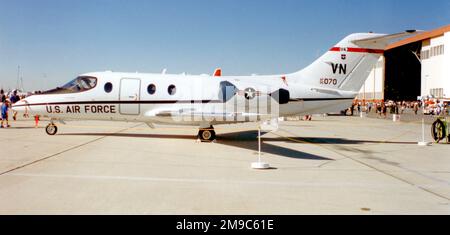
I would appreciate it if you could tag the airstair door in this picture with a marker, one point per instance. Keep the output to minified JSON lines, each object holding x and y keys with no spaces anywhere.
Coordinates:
{"x":130,"y":96}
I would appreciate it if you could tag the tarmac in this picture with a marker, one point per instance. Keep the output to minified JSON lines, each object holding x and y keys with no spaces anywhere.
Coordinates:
{"x":331,"y":165}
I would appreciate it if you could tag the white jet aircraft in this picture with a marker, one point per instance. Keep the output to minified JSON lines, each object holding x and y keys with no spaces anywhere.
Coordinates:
{"x":329,"y":84}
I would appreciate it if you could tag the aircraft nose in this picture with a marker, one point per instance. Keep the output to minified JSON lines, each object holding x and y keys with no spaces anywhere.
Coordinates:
{"x":19,"y":106}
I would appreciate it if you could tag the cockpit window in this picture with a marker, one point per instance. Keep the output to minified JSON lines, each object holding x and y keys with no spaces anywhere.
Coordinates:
{"x":79,"y":84}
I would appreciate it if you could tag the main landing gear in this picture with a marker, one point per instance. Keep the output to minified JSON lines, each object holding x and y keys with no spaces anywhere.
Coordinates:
{"x":51,"y":129}
{"x":207,"y":134}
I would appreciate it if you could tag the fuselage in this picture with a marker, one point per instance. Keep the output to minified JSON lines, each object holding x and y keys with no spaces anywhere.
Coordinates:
{"x":182,"y":99}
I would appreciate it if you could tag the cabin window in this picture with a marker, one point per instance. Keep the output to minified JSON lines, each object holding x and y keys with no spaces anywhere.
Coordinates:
{"x":79,"y":84}
{"x":172,"y":90}
{"x":108,"y":87}
{"x":151,"y":89}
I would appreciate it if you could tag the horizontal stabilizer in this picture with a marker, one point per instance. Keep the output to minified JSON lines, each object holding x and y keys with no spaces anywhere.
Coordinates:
{"x":384,"y":40}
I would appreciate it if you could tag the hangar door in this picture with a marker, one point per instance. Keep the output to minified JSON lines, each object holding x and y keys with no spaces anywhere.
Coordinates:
{"x":129,"y":96}
{"x":403,"y":73}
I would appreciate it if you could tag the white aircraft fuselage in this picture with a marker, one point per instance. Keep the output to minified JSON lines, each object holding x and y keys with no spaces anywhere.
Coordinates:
{"x":129,"y":99}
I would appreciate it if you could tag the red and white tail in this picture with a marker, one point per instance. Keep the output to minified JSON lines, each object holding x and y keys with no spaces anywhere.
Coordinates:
{"x":347,"y":65}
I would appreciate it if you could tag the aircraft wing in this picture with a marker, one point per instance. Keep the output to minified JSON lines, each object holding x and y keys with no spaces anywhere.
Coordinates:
{"x":209,"y":116}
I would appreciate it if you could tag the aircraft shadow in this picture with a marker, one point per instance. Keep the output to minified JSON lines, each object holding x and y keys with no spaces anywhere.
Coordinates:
{"x":252,"y":135}
{"x":245,"y":140}
{"x":21,"y":128}
{"x":327,"y":140}
{"x":154,"y":136}
{"x":248,"y":140}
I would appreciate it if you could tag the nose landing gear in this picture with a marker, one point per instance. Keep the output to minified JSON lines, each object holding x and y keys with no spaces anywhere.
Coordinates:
{"x":51,"y":129}
{"x":207,"y":134}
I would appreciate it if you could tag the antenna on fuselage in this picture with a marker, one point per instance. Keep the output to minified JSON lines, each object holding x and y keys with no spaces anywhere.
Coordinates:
{"x":164,"y":71}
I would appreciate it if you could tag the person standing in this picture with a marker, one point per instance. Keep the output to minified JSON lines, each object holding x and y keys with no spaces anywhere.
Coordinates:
{"x":378,"y":109}
{"x":3,"y":96}
{"x":4,"y":112}
{"x":2,"y":100}
{"x":416,"y":107}
{"x":14,"y":98}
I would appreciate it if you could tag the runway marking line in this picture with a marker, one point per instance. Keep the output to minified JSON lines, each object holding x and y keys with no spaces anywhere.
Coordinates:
{"x":206,"y":181}
{"x":61,"y":152}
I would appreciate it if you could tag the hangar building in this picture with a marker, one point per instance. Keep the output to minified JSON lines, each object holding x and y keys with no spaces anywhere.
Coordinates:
{"x":415,"y":66}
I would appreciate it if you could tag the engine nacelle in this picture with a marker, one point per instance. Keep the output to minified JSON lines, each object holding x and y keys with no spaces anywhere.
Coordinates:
{"x":282,"y":96}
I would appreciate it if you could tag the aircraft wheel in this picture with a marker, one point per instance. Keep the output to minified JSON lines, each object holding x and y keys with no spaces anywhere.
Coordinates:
{"x":207,"y":135}
{"x":51,"y":129}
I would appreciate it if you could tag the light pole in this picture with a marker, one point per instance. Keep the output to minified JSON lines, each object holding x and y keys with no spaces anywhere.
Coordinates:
{"x":423,"y":142}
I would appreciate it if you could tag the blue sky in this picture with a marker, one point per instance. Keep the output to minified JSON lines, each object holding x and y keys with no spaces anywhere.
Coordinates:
{"x":55,"y":40}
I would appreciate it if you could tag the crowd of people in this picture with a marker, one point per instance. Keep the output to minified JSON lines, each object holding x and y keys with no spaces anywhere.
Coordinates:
{"x":427,"y":107}
{"x":6,"y":102}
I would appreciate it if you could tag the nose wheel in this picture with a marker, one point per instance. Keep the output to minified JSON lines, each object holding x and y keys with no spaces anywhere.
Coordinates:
{"x":51,"y":129}
{"x":207,"y":134}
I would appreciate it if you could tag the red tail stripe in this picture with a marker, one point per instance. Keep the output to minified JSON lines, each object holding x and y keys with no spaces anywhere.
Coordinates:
{"x":358,"y":50}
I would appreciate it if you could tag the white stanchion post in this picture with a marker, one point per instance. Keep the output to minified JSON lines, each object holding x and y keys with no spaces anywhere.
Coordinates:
{"x":423,"y":130}
{"x":259,"y":144}
{"x":423,"y":143}
{"x":259,"y":165}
